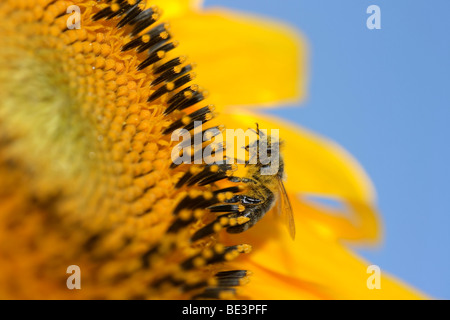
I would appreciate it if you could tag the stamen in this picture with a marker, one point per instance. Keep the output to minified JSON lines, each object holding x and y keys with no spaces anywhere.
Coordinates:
{"x":171,"y":86}
{"x":202,"y":115}
{"x":157,"y":55}
{"x":172,"y":74}
{"x":226,"y":255}
{"x":232,"y":278}
{"x":144,"y":20}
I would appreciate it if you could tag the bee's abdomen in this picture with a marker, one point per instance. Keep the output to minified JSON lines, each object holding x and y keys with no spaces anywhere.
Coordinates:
{"x":238,"y":217}
{"x":252,"y":211}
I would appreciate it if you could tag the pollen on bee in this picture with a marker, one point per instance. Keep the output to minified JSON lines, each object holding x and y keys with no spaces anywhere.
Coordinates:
{"x":242,"y":220}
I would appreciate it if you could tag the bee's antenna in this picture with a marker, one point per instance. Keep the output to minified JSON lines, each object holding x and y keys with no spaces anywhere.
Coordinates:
{"x":251,"y":159}
{"x":258,"y":132}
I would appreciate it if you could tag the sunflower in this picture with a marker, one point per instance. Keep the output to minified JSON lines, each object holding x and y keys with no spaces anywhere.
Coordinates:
{"x":86,"y":172}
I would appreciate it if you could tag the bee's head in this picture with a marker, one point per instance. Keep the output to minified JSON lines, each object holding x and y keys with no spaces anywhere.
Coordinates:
{"x":265,"y":152}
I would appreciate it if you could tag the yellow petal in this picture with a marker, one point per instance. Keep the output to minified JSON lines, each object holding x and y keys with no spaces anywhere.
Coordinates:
{"x":175,"y":8}
{"x":358,"y":223}
{"x":311,"y":267}
{"x":242,"y":60}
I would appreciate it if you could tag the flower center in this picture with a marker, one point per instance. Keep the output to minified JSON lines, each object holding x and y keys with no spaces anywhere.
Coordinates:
{"x":85,"y":116}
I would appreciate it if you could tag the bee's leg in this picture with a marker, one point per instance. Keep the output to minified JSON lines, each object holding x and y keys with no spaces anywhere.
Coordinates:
{"x":234,"y":199}
{"x":244,"y":180}
{"x":249,"y":201}
{"x":250,"y":181}
{"x":244,"y":199}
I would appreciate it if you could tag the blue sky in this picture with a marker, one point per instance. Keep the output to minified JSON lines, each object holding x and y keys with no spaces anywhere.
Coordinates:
{"x":384,"y":95}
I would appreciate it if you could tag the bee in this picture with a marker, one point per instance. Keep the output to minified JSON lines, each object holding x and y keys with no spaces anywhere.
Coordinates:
{"x":264,"y":190}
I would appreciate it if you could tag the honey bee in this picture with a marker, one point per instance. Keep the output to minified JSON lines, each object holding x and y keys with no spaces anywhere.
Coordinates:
{"x":264,"y":190}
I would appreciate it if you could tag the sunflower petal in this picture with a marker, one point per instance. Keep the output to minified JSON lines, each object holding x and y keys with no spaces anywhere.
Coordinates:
{"x":358,"y":223}
{"x":311,"y":267}
{"x":176,"y":8}
{"x":243,"y":60}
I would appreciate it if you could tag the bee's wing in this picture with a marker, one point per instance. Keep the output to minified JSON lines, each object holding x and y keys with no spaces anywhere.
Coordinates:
{"x":284,"y":209}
